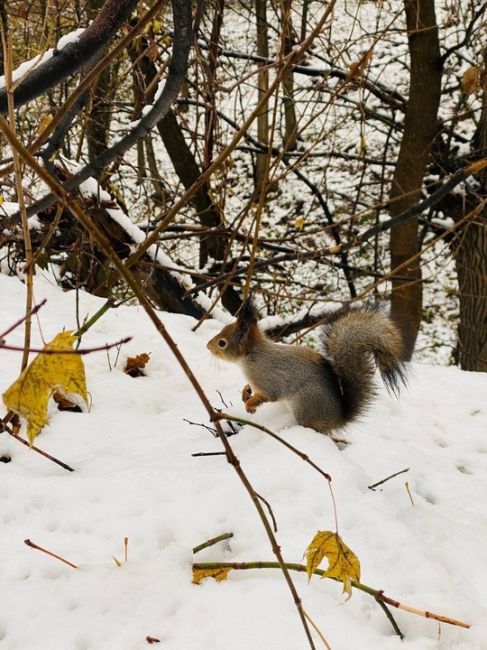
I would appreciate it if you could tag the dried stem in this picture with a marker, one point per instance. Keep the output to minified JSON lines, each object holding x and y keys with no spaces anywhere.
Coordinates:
{"x":33,"y":311}
{"x":44,"y":550}
{"x":374,"y":485}
{"x":5,"y":427}
{"x":107,"y":346}
{"x":378,"y":594}
{"x":212,"y":542}
{"x":317,"y":630}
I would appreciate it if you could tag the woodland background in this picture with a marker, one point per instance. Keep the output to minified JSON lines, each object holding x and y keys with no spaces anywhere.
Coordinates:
{"x":312,"y":153}
{"x":163,"y":160}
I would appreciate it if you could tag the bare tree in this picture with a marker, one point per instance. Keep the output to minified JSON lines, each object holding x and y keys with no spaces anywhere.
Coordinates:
{"x":420,"y":128}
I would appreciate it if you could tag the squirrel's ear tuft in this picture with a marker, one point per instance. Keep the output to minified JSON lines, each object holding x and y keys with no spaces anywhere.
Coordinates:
{"x":248,"y":312}
{"x":247,"y":316}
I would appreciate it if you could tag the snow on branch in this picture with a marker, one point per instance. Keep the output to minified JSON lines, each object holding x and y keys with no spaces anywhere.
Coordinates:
{"x":76,"y":49}
{"x":165,"y":96}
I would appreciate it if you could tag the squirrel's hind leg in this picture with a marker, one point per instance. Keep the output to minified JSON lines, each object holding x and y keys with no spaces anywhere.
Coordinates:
{"x":316,"y":410}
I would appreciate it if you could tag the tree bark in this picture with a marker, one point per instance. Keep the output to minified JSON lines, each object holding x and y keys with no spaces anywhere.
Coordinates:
{"x":211,"y":114}
{"x":290,"y":123}
{"x":73,"y":56}
{"x":262,"y":84}
{"x":471,"y":263}
{"x":470,"y":250}
{"x":420,"y":127}
{"x":98,"y":124}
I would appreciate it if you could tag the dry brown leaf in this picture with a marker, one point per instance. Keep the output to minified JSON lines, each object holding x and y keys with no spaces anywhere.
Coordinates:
{"x":135,"y":365}
{"x":65,"y":404}
{"x":471,"y":81}
{"x":357,"y":69}
{"x":152,"y":51}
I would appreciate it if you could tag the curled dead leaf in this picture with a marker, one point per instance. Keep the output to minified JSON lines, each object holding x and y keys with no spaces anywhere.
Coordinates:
{"x":135,"y":365}
{"x":356,"y":69}
{"x":471,"y":80}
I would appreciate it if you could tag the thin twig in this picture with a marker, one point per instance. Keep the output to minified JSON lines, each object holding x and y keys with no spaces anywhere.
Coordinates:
{"x":374,"y":485}
{"x":208,"y":453}
{"x":317,"y":630}
{"x":33,"y":311}
{"x":107,"y":346}
{"x":29,"y":271}
{"x":409,"y":493}
{"x":271,"y":513}
{"x":212,"y":542}
{"x":44,"y":550}
{"x":378,"y":594}
{"x":391,"y":618}
{"x":34,"y":448}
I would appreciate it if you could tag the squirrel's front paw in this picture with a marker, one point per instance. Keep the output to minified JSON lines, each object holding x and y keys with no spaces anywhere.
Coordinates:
{"x":246,"y":393}
{"x":253,"y":402}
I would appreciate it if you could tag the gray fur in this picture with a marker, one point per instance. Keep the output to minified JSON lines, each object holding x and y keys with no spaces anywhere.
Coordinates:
{"x":298,"y":375}
{"x":325,"y":391}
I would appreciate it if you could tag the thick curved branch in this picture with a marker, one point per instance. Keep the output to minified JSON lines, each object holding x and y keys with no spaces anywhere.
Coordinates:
{"x":177,"y":69}
{"x":75,"y":54}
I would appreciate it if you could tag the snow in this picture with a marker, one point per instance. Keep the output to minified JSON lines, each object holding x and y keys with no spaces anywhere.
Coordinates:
{"x":26,"y":67}
{"x":135,"y":477}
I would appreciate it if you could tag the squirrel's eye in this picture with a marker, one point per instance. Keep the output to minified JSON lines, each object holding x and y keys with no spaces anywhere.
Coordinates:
{"x":222,"y":343}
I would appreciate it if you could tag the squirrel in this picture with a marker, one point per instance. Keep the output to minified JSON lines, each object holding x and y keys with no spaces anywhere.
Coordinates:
{"x":325,"y":390}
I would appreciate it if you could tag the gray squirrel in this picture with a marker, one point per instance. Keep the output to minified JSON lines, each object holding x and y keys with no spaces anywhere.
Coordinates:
{"x":324,"y":390}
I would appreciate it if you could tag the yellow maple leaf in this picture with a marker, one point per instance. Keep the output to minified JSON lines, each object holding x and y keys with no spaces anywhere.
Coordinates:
{"x":217,"y":574}
{"x":343,"y":564}
{"x":298,"y":223}
{"x":30,"y":393}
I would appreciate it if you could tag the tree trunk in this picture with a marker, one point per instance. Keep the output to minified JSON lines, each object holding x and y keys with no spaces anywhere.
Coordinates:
{"x":420,"y":127}
{"x":471,"y":263}
{"x":98,"y":123}
{"x":211,"y":114}
{"x":290,"y":124}
{"x":263,"y":85}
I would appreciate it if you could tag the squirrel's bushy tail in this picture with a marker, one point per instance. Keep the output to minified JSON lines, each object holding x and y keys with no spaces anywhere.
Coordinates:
{"x":352,"y":340}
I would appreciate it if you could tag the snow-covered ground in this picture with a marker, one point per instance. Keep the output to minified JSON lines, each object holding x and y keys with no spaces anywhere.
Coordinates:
{"x":135,"y":477}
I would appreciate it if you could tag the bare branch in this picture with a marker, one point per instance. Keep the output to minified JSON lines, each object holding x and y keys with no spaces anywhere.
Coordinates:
{"x":75,"y":54}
